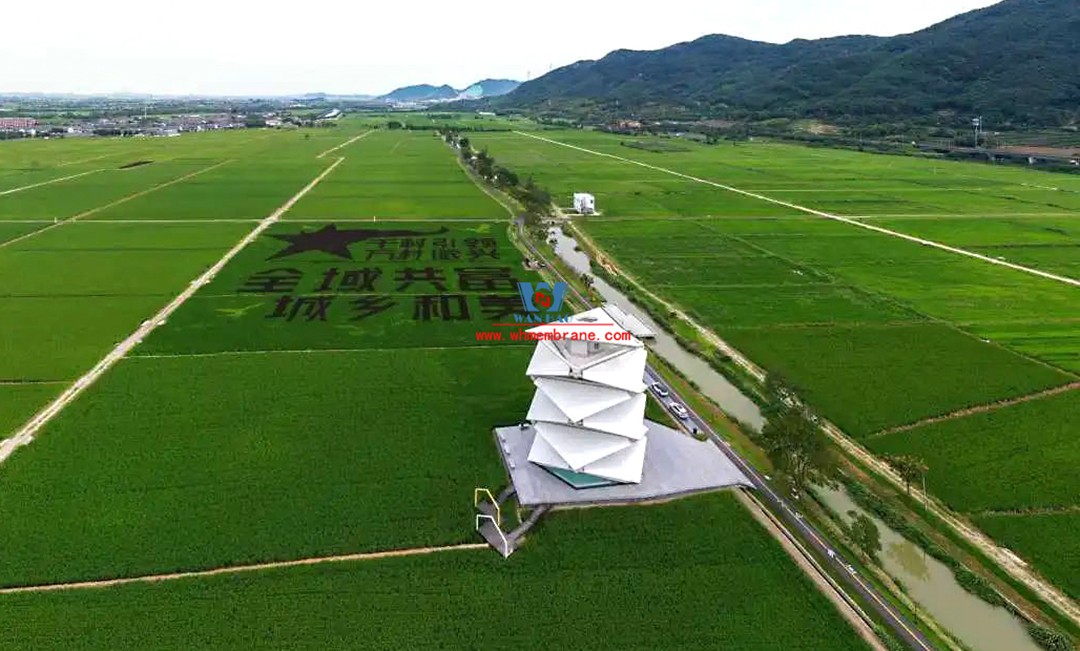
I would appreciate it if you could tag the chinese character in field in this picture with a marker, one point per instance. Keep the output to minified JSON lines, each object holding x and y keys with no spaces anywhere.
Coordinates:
{"x":487,"y":279}
{"x":445,"y":248}
{"x":410,"y":248}
{"x":366,"y":306}
{"x":312,"y":308}
{"x":272,"y":281}
{"x":448,"y":307}
{"x":397,"y":249}
{"x":383,"y":249}
{"x":406,"y":277}
{"x":500,"y":306}
{"x":352,"y":280}
{"x":482,"y":247}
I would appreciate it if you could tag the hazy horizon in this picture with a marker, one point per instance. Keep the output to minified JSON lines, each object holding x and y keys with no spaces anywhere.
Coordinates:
{"x":210,"y":49}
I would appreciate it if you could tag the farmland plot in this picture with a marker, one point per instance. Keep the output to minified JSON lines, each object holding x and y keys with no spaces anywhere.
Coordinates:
{"x":874,"y":330}
{"x":649,"y":577}
{"x":398,"y":175}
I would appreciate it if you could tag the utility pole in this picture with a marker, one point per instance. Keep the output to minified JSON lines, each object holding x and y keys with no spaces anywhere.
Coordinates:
{"x":976,"y":124}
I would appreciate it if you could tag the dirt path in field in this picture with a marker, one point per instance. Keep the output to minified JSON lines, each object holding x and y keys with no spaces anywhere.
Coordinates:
{"x":812,"y":211}
{"x":93,"y":211}
{"x":88,"y":160}
{"x":49,"y":182}
{"x":346,"y":143}
{"x":979,"y":409}
{"x":1021,"y":513}
{"x":25,"y":435}
{"x":239,"y":569}
{"x":313,"y":351}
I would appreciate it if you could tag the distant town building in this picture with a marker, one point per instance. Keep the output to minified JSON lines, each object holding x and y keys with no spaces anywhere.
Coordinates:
{"x":10,"y":124}
{"x":584,"y":203}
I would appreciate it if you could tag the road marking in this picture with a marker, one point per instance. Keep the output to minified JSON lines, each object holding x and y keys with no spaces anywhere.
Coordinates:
{"x":346,"y":143}
{"x":38,"y":185}
{"x":27,"y":432}
{"x":846,"y":220}
{"x":93,"y":211}
{"x":238,"y":569}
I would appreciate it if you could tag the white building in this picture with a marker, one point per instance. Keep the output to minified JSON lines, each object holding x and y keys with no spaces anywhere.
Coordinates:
{"x":589,"y":406}
{"x":584,"y":203}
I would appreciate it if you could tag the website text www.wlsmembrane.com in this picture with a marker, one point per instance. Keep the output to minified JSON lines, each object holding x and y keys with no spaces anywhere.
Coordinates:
{"x":551,"y":335}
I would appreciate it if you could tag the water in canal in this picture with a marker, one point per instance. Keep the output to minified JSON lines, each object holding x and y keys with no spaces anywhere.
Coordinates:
{"x":712,"y":384}
{"x":929,"y":582}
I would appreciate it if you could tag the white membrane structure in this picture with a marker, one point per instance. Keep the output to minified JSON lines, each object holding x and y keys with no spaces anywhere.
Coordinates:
{"x":589,"y":407}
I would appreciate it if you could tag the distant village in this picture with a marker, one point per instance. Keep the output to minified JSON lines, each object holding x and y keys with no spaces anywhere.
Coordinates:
{"x":158,"y":125}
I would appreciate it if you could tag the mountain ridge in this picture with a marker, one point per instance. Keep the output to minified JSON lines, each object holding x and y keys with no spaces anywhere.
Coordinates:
{"x":428,"y":93}
{"x":1011,"y":61}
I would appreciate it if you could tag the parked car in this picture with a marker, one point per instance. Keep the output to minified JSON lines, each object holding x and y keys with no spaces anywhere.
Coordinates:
{"x":659,"y":389}
{"x":679,"y":410}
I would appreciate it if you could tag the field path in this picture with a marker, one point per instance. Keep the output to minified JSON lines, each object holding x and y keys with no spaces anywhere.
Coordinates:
{"x":111,"y":204}
{"x":978,"y":409}
{"x":87,"y":160}
{"x":38,"y":185}
{"x":238,"y":569}
{"x":26,"y":434}
{"x":846,"y":220}
{"x":346,"y":143}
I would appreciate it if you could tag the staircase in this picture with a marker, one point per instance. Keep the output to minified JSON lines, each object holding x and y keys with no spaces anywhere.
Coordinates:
{"x":489,"y":522}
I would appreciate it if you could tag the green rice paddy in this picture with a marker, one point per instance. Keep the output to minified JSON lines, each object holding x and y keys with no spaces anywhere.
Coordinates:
{"x":317,"y":397}
{"x":875,"y":331}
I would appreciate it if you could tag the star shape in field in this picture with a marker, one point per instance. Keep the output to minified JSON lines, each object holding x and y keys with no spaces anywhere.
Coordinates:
{"x":327,"y":239}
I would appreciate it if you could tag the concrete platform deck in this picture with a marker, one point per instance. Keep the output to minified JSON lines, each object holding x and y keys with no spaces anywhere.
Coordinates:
{"x":675,"y":464}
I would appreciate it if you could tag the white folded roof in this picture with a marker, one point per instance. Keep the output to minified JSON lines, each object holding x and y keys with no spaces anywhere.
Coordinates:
{"x":624,"y":419}
{"x":626,"y":465}
{"x":580,"y":447}
{"x":626,"y":371}
{"x":546,"y":360}
{"x":579,"y":400}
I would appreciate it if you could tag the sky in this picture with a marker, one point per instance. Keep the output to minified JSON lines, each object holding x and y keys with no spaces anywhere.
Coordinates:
{"x":209,"y":47}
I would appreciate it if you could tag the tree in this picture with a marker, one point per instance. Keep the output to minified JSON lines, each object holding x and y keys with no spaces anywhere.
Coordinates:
{"x":864,"y":533}
{"x":798,"y":449}
{"x":484,"y":164}
{"x":505,"y":177}
{"x":908,"y":467}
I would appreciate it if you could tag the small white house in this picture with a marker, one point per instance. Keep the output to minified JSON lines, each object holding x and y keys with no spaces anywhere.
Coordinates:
{"x":584,"y":203}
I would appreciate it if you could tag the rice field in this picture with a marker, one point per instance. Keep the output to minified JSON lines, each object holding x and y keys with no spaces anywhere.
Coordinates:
{"x":694,"y":574}
{"x":323,"y":394}
{"x":876,"y":331}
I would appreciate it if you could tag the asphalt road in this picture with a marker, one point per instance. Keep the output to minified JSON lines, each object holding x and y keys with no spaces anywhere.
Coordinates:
{"x":843,"y":571}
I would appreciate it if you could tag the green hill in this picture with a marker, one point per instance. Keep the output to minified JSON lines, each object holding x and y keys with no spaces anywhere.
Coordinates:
{"x":1016,"y":62}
